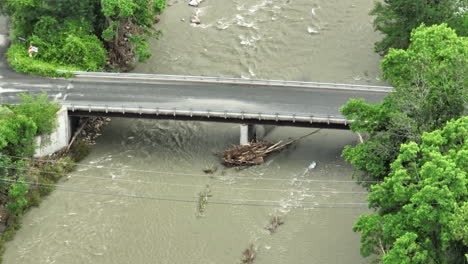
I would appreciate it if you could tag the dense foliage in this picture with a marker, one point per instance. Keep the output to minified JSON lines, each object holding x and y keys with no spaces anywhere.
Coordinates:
{"x":73,"y":35}
{"x":429,"y":79}
{"x":422,"y":203}
{"x":22,"y":182}
{"x":129,"y":21}
{"x":39,"y":110}
{"x":18,"y":126}
{"x":397,"y":18}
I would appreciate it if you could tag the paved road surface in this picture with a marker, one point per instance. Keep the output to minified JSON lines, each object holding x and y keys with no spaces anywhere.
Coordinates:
{"x":146,"y":92}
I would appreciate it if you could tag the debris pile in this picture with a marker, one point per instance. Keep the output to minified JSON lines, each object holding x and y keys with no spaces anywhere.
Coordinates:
{"x":203,"y":200}
{"x":275,"y":222}
{"x":249,"y":255}
{"x":210,"y":170}
{"x":249,"y":154}
{"x":255,"y":152}
{"x":89,"y":130}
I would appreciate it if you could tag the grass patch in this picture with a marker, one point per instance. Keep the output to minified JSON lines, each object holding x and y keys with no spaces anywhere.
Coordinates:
{"x":19,"y":60}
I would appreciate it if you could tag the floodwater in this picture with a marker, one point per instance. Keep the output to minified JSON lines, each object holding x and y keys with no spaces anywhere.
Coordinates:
{"x":134,"y":199}
{"x":300,"y":40}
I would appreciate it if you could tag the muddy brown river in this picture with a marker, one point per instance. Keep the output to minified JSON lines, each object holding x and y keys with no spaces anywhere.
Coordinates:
{"x":134,"y":199}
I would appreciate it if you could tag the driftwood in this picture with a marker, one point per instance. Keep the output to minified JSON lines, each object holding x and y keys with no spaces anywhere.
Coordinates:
{"x":203,"y":200}
{"x":76,"y":134}
{"x":249,"y":255}
{"x":88,"y":131}
{"x":255,"y":152}
{"x":275,"y":222}
{"x":210,"y":170}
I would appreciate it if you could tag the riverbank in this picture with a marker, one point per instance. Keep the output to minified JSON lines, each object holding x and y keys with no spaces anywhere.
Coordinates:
{"x":97,"y":36}
{"x":136,"y":163}
{"x":26,"y":181}
{"x":115,"y":192}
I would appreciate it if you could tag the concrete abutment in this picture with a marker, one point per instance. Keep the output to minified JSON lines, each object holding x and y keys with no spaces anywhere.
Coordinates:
{"x":251,"y":133}
{"x":59,"y":138}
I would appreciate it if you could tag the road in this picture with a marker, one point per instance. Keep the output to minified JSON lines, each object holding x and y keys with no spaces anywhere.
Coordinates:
{"x":304,"y":99}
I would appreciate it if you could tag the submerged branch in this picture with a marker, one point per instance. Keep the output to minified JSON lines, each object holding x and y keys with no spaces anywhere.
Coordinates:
{"x":255,"y":153}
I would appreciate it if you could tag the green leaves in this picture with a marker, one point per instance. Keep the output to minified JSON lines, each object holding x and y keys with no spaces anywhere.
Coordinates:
{"x":17,"y":130}
{"x":430,"y":80}
{"x":109,"y":33}
{"x":159,"y":5}
{"x":397,"y":18}
{"x":71,"y":34}
{"x":128,"y":27}
{"x":370,"y":227}
{"x":16,"y":136}
{"x":85,"y":52}
{"x":407,"y":250}
{"x":430,"y":77}
{"x":17,"y":193}
{"x":121,"y":8}
{"x":422,"y":203}
{"x":39,"y":110}
{"x":69,"y":43}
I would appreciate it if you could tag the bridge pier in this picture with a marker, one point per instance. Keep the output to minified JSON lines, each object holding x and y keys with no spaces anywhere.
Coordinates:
{"x":250,"y":133}
{"x":247,"y":134}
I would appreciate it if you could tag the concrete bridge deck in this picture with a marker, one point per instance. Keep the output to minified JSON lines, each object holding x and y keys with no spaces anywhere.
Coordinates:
{"x":191,"y":97}
{"x":197,"y":98}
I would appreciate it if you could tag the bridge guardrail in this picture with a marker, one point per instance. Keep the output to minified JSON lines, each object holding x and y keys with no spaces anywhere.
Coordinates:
{"x":207,"y":113}
{"x":231,"y":80}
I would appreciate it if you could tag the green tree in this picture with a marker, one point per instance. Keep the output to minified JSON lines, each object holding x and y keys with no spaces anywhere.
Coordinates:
{"x":16,"y":140}
{"x":159,"y":5}
{"x":26,"y":13}
{"x":429,"y":79}
{"x":41,"y":111}
{"x":17,"y":136}
{"x":17,"y":196}
{"x":123,"y":19}
{"x":397,"y":18}
{"x":421,"y":205}
{"x":5,"y":112}
{"x":58,"y":28}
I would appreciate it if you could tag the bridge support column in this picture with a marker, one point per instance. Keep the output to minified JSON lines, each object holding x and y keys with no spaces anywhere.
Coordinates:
{"x":58,"y":139}
{"x":246,"y":134}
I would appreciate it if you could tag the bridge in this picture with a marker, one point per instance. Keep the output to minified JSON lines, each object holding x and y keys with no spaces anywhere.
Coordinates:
{"x":216,"y":99}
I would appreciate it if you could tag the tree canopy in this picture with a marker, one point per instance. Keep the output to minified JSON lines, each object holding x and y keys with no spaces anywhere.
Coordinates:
{"x":418,"y":149}
{"x":18,"y":126}
{"x":429,"y":79}
{"x":422,"y":204}
{"x":76,"y":34}
{"x":397,"y":18}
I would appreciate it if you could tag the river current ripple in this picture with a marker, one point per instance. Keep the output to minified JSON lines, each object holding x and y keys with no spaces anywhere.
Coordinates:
{"x":118,"y":206}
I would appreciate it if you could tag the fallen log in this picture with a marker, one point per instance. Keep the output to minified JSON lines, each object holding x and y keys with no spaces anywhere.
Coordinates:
{"x":76,"y":134}
{"x":255,"y":152}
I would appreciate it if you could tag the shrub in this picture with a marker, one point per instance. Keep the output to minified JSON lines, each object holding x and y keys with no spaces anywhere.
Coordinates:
{"x":80,"y":150}
{"x":67,"y":163}
{"x":17,"y":56}
{"x":159,"y":5}
{"x":17,"y":136}
{"x":17,"y":193}
{"x":34,"y":198}
{"x":39,"y":110}
{"x":45,"y":186}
